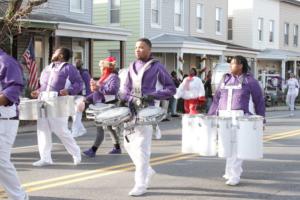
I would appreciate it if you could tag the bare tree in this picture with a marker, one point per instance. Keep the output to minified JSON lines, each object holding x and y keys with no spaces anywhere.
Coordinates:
{"x":10,"y":24}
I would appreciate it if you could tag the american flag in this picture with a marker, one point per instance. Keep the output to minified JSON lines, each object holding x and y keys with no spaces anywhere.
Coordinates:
{"x":31,"y":66}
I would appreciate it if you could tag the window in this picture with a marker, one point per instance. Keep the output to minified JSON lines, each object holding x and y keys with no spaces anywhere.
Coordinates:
{"x":271,"y":29}
{"x":296,"y":31}
{"x":260,"y":25}
{"x":286,"y":33}
{"x":218,"y":20}
{"x":76,"y":6}
{"x":179,"y":14}
{"x":155,"y":12}
{"x":114,"y":11}
{"x":116,"y":54}
{"x":199,"y":16}
{"x":230,"y":29}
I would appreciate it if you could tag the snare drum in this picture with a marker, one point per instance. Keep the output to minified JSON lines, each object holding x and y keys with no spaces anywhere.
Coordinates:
{"x":250,"y":137}
{"x":95,"y":109}
{"x":30,"y":109}
{"x":62,"y":106}
{"x":113,"y":116}
{"x":150,"y":115}
{"x":225,"y":137}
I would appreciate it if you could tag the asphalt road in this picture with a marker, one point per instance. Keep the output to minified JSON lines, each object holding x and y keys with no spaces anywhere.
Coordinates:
{"x":179,"y":176}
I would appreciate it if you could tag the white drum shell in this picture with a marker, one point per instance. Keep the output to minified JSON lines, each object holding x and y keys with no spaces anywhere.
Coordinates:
{"x":62,"y":106}
{"x":199,"y":135}
{"x":150,"y":115}
{"x":190,"y":134}
{"x":225,"y":137}
{"x":113,"y":117}
{"x":208,"y":136}
{"x":97,"y":109}
{"x":29,"y":109}
{"x":250,"y":138}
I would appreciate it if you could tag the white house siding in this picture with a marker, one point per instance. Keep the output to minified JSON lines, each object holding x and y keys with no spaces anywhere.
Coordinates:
{"x":289,"y":14}
{"x":129,"y":19}
{"x":241,"y":13}
{"x":167,"y":19}
{"x":209,"y":16}
{"x":62,"y":7}
{"x":268,"y":10}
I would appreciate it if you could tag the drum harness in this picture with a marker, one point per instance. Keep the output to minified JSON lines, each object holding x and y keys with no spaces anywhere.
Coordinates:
{"x":230,"y":88}
{"x":136,"y":93}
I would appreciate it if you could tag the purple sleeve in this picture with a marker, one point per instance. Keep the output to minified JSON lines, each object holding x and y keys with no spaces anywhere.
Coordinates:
{"x":258,"y":99}
{"x":11,"y":79}
{"x":75,"y":79}
{"x":169,"y":88}
{"x":215,"y":103}
{"x":86,"y":79}
{"x":111,"y":87}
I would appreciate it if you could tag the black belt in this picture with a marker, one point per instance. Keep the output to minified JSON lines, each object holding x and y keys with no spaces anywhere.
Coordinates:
{"x":12,"y":118}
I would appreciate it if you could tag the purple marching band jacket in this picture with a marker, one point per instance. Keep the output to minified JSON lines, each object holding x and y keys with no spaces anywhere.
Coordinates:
{"x":11,"y":84}
{"x":240,"y":97}
{"x":107,"y":91}
{"x":151,"y":75}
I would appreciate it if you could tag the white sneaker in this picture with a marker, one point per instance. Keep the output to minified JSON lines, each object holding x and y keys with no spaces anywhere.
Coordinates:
{"x":149,"y":177}
{"x":232,"y":182}
{"x":77,"y":159}
{"x":225,"y":176}
{"x":137,"y":191}
{"x":42,"y":163}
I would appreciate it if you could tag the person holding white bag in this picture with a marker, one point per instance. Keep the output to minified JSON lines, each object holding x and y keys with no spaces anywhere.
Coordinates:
{"x":292,"y":92}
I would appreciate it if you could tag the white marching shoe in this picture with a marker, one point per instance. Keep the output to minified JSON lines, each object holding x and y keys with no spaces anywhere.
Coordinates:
{"x":232,"y":182}
{"x":225,"y":176}
{"x":137,"y":191}
{"x":42,"y":163}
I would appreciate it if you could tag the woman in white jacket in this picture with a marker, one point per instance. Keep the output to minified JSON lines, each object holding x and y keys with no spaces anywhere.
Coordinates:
{"x":293,"y":90}
{"x":192,"y":91}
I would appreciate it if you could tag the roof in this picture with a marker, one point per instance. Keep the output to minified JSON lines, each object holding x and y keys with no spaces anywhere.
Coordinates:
{"x":294,"y":2}
{"x":200,"y":44}
{"x":68,"y":27}
{"x":278,"y":54}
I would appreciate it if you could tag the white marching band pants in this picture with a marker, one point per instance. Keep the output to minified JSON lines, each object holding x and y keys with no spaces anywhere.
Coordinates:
{"x":45,"y":127}
{"x":8,"y":175}
{"x":77,"y":125}
{"x":290,"y":100}
{"x":233,"y":168}
{"x":139,"y":150}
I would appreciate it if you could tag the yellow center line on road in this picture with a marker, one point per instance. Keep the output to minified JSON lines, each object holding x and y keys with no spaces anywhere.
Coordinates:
{"x":95,"y":171}
{"x":282,"y":133}
{"x":83,"y":176}
{"x":80,"y":179}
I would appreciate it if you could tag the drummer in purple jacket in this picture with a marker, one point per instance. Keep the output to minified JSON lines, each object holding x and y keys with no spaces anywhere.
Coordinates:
{"x":53,"y":79}
{"x":144,"y":76}
{"x":232,"y":99}
{"x":105,"y":91}
{"x":11,"y":85}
